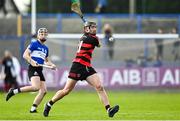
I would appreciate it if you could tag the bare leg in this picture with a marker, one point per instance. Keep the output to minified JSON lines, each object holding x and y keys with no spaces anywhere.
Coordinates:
{"x":61,"y":93}
{"x":35,"y":85}
{"x":94,"y":81}
{"x":39,"y":97}
{"x":41,"y":93}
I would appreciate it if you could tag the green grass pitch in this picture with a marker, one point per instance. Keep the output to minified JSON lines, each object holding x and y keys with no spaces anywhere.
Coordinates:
{"x":85,"y":105}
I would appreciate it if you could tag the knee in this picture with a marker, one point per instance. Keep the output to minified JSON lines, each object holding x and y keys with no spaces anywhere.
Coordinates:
{"x":99,"y":87}
{"x":35,"y":88}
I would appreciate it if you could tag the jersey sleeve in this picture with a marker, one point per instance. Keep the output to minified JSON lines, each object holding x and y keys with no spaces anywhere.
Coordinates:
{"x":96,"y":41}
{"x":83,"y":38}
{"x":32,"y":46}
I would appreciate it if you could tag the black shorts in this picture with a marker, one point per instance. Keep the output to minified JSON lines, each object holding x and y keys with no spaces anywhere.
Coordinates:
{"x":35,"y":71}
{"x":80,"y":72}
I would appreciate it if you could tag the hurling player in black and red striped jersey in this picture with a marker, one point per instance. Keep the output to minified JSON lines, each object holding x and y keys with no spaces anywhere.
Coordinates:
{"x":81,"y":69}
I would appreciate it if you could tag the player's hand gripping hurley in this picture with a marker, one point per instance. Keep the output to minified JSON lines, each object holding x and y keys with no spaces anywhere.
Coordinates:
{"x":34,"y":63}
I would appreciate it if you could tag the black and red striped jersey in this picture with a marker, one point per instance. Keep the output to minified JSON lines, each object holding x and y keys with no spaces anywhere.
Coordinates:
{"x":86,"y":46}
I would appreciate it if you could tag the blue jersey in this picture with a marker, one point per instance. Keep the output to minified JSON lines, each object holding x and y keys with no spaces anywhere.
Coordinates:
{"x":38,"y":51}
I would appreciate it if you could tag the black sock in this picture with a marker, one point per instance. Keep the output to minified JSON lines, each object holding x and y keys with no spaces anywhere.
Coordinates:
{"x":51,"y":102}
{"x":35,"y":105}
{"x":107,"y":107}
{"x":19,"y":90}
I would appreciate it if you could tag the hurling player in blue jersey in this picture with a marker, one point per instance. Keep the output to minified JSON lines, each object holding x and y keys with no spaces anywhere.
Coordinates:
{"x":35,"y":54}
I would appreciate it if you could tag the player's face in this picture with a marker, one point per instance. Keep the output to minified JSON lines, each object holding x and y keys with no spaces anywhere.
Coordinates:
{"x":42,"y":36}
{"x":93,"y":29}
{"x":86,"y":29}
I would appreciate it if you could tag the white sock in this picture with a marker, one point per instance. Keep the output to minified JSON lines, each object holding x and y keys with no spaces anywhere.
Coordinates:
{"x":49,"y":104}
{"x":15,"y":91}
{"x":33,"y":108}
{"x":108,"y":109}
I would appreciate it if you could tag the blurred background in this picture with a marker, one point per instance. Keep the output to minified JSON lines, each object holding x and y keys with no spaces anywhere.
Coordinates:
{"x":140,"y":41}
